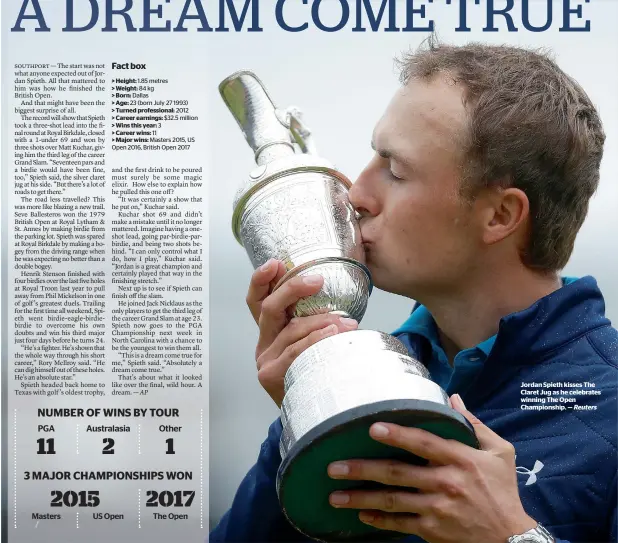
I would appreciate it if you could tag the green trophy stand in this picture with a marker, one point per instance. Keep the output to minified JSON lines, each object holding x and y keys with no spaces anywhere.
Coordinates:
{"x":303,"y":485}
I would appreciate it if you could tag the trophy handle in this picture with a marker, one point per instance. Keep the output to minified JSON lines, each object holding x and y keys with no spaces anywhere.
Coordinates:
{"x":293,"y":119}
{"x":269,"y":131}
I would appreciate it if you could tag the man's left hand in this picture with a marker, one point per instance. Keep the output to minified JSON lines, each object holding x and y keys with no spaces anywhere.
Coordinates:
{"x":464,"y":495}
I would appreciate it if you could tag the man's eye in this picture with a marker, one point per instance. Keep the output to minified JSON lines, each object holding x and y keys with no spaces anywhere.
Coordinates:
{"x":395,"y":176}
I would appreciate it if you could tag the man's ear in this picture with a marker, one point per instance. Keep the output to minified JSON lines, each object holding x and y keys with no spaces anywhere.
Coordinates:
{"x":507,"y":212}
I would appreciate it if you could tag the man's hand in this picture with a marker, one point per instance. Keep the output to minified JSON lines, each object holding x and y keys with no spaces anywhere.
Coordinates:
{"x":464,"y":495}
{"x":283,"y":337}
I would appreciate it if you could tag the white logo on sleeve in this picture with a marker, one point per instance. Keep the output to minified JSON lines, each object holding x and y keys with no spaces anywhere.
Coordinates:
{"x":538,"y":466}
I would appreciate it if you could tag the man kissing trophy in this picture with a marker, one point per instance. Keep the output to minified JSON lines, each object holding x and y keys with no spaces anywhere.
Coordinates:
{"x":294,"y":207}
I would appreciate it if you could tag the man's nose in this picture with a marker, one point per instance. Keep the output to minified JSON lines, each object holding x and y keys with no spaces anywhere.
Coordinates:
{"x":361,"y":197}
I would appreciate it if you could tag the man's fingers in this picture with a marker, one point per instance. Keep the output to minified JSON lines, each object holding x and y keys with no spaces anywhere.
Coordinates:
{"x":396,"y":522}
{"x":423,"y":443}
{"x":389,"y":472}
{"x":271,"y":372}
{"x":488,"y":439}
{"x":273,"y":316}
{"x":389,"y":500}
{"x":261,"y":285}
{"x":291,"y":352}
{"x":300,"y":327}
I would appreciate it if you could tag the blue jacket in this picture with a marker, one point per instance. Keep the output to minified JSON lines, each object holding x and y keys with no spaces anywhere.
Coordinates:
{"x":567,"y":461}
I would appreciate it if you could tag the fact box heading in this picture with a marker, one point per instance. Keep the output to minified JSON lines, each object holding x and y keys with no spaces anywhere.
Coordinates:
{"x":324,"y":15}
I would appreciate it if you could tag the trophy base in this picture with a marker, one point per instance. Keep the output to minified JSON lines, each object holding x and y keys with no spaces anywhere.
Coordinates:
{"x":303,"y":484}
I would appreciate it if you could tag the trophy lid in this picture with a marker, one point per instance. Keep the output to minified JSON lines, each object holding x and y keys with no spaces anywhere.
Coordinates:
{"x":263,"y":126}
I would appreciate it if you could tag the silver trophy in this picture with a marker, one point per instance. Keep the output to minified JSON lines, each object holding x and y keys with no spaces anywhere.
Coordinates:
{"x":294,"y":207}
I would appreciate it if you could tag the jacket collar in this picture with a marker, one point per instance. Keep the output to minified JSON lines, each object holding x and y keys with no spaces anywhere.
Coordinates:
{"x":556,"y":319}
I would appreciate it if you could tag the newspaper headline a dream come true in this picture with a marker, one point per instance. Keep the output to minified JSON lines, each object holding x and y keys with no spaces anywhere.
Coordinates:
{"x":300,"y":15}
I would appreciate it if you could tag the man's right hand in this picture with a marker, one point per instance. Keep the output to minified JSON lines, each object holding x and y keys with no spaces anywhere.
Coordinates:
{"x":282,"y":336}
